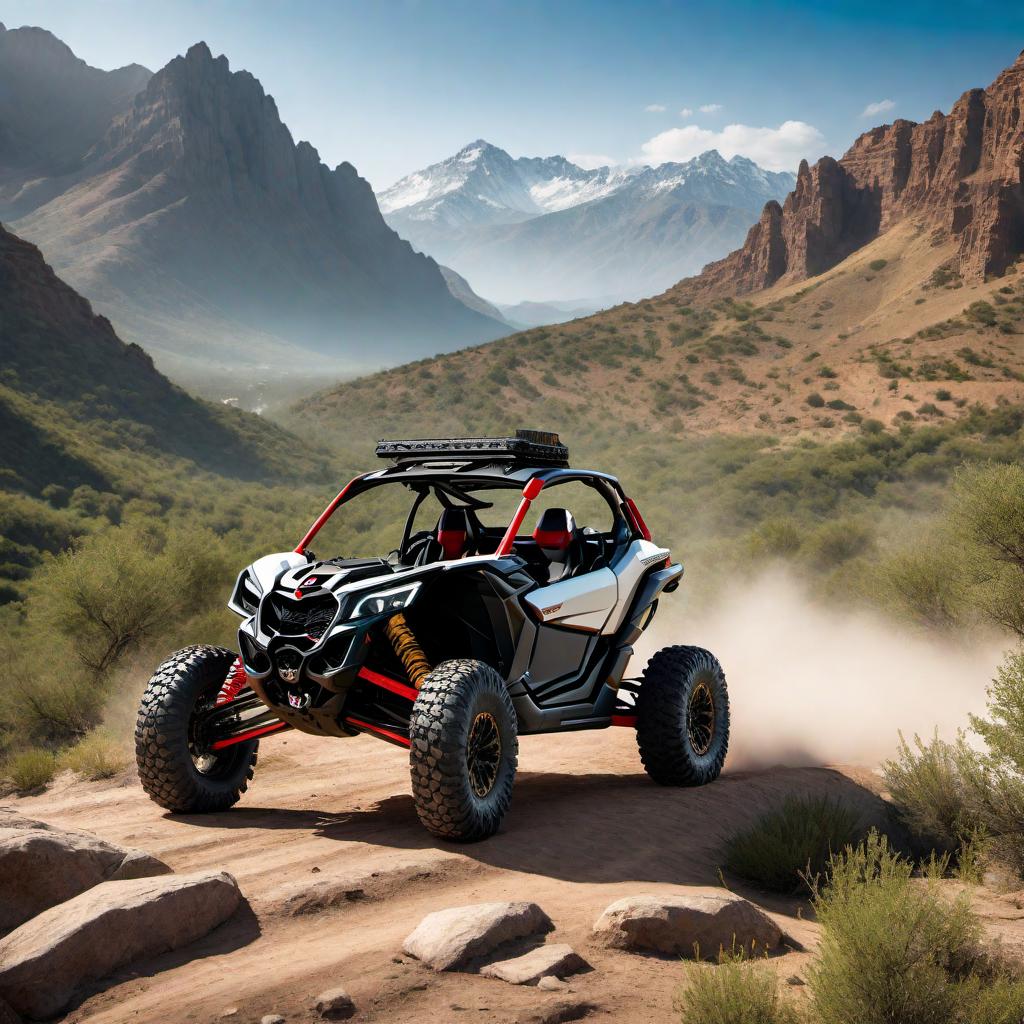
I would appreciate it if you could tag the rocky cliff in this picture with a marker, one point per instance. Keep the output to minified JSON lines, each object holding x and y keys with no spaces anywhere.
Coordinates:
{"x":958,"y":173}
{"x":204,"y":231}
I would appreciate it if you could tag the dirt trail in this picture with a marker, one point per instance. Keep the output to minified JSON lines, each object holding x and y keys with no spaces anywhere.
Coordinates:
{"x":324,"y":819}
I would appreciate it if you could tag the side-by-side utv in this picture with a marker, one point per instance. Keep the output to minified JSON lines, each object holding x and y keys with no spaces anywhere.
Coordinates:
{"x":464,"y":637}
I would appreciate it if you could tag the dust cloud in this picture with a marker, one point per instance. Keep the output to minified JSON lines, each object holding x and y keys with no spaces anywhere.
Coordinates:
{"x":810,"y":685}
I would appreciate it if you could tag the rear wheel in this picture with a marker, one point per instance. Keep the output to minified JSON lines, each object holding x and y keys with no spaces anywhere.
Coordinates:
{"x":683,"y":717}
{"x":177,"y":766}
{"x":464,"y":751}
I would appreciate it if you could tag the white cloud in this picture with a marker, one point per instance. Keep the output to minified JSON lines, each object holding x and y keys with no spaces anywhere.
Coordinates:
{"x":877,"y":108}
{"x":591,"y":161}
{"x":711,"y":108}
{"x":686,"y":112}
{"x":655,"y":108}
{"x":775,"y":149}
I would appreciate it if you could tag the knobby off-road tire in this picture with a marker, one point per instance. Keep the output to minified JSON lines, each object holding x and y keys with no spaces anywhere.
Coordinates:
{"x":682,"y":724}
{"x":464,"y":751}
{"x":169,"y":768}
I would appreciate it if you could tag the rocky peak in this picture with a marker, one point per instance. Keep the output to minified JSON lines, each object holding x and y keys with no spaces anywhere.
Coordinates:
{"x":53,"y":106}
{"x":960,"y":173}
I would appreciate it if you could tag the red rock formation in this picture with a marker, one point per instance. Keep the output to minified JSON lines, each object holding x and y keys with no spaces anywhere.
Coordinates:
{"x":962,"y":173}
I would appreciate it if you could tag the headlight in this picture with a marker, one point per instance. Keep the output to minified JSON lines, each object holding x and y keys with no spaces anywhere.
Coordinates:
{"x":385,"y":601}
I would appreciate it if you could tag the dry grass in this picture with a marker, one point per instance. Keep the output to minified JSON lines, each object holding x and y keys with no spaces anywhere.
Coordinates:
{"x":29,"y":770}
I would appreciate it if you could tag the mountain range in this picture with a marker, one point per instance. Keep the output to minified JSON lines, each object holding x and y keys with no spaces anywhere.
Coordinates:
{"x":181,"y":205}
{"x":545,"y":229}
{"x":886,"y":290}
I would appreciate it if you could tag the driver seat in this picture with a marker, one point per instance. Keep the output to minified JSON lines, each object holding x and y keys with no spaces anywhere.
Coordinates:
{"x":558,"y":539}
{"x":454,"y":536}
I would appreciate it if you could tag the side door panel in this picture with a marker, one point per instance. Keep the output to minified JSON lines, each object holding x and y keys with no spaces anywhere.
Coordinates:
{"x":581,"y":603}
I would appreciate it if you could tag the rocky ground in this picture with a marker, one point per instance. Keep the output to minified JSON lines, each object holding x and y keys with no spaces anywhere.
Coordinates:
{"x":337,"y":873}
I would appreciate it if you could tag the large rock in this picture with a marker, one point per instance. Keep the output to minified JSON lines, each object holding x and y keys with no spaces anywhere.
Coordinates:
{"x":44,"y":961}
{"x":700,"y":923}
{"x":41,"y":867}
{"x":450,"y":938}
{"x":7,"y":1015}
{"x":556,"y":960}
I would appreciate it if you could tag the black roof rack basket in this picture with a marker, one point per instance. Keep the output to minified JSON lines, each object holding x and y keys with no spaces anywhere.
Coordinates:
{"x":526,"y":447}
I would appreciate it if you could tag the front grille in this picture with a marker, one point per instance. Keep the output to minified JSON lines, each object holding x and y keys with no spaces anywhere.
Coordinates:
{"x":310,"y":616}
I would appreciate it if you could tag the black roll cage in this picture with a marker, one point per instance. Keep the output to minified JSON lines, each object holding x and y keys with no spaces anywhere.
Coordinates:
{"x":441,"y":479}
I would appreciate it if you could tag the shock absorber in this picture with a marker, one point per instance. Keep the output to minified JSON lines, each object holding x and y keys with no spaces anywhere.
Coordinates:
{"x":407,"y":649}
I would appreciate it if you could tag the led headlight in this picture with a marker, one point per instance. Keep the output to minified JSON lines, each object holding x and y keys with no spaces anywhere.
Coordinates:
{"x":385,"y":601}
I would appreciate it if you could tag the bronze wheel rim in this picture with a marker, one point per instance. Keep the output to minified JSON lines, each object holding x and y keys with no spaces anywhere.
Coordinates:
{"x":483,"y":753}
{"x":700,"y":719}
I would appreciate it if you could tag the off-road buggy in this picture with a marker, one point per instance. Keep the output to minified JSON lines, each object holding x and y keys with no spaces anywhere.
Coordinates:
{"x":464,"y":637}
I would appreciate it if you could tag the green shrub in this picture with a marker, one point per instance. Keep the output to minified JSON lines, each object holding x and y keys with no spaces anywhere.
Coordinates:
{"x":815,"y":401}
{"x":877,"y":265}
{"x":735,"y":991}
{"x":925,"y":583}
{"x":792,"y":843}
{"x":948,"y":791}
{"x":892,"y":948}
{"x":926,"y":783}
{"x":30,"y":769}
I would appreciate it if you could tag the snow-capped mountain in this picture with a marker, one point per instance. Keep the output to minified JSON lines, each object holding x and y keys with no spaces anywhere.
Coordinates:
{"x":546,"y":229}
{"x":482,"y":184}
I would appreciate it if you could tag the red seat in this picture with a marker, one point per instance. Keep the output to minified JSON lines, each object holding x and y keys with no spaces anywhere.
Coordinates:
{"x":555,"y":535}
{"x":453,"y":532}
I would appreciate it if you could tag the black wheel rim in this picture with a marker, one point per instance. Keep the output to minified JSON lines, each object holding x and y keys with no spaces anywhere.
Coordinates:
{"x":483,"y":753}
{"x":700,"y":719}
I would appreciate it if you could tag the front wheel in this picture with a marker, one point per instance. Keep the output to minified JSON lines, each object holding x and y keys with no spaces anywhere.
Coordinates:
{"x":177,"y":768}
{"x":464,"y":751}
{"x":682,"y":723}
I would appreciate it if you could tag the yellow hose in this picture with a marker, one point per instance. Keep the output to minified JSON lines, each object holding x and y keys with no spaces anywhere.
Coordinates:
{"x":408,"y":650}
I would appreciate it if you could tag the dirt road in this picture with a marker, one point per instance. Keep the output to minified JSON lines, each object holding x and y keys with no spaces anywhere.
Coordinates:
{"x":337,"y":871}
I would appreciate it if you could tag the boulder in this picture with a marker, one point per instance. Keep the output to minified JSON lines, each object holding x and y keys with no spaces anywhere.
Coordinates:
{"x":335,"y":1004}
{"x":7,"y":1015}
{"x":698,"y":923}
{"x":556,"y":960}
{"x":43,"y":962}
{"x":41,"y":867}
{"x":450,"y":938}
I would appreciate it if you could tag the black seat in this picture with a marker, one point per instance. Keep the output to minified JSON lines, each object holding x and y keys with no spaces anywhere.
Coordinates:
{"x":558,"y":538}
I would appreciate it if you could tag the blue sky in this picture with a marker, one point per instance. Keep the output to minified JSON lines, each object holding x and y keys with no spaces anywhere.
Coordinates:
{"x":394,"y":86}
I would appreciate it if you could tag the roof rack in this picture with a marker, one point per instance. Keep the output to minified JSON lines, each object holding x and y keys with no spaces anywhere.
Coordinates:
{"x":527,"y":447}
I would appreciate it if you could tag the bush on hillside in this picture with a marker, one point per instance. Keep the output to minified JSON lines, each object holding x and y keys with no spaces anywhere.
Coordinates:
{"x":987,"y":513}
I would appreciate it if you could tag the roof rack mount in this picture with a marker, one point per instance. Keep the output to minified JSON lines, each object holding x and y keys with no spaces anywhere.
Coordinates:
{"x":526,"y":447}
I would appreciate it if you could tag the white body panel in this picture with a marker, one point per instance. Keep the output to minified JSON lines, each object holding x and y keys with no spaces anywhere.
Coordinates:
{"x":636,"y":560}
{"x":268,"y":568}
{"x":584,"y":602}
